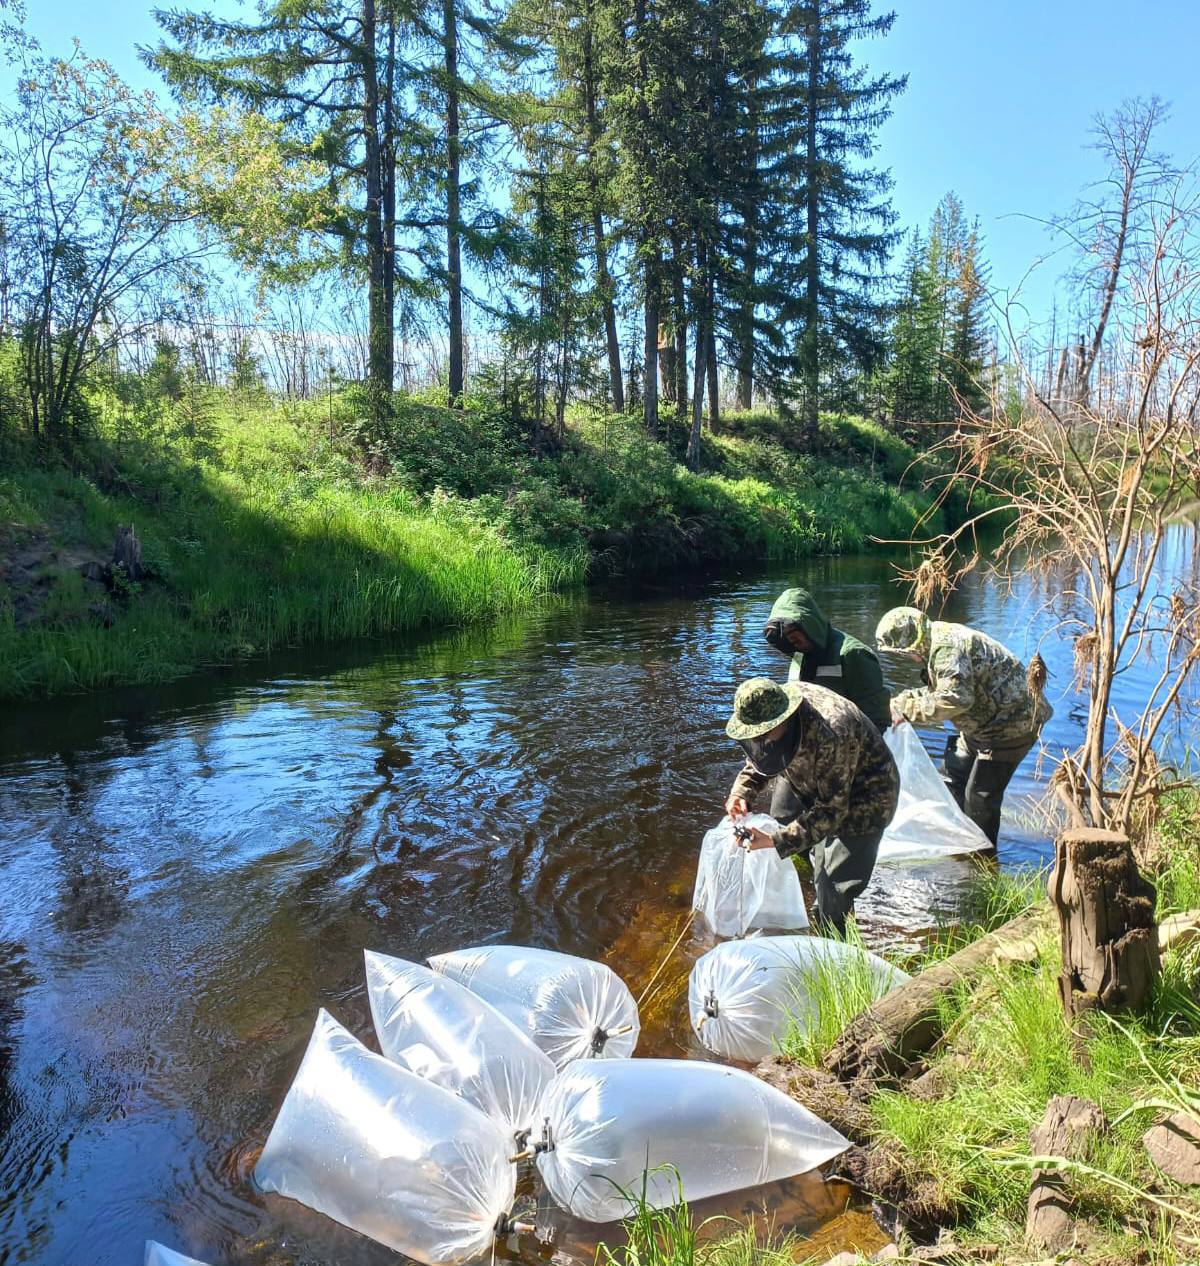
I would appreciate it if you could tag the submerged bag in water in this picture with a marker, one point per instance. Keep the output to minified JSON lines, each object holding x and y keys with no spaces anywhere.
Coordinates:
{"x":927,"y":822}
{"x":743,"y":995}
{"x":159,"y":1255}
{"x":388,"y":1154}
{"x":571,"y":1008}
{"x":737,"y":889}
{"x":440,"y":1030}
{"x":671,"y":1123}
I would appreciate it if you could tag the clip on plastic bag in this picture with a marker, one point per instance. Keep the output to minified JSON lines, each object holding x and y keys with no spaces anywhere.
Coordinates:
{"x":670,"y":1123}
{"x":743,"y":995}
{"x":159,"y":1255}
{"x":388,"y":1154}
{"x":440,"y":1030}
{"x":571,"y":1008}
{"x":737,"y":889}
{"x":927,"y":822}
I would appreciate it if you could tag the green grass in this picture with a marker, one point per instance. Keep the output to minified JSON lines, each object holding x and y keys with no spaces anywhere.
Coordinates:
{"x":267,"y":524}
{"x":832,"y":995}
{"x":671,"y":1237}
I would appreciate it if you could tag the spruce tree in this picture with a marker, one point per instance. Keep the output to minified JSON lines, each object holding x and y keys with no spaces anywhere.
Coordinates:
{"x":837,"y":222}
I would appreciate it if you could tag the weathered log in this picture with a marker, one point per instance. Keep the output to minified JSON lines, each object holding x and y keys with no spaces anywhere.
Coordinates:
{"x":127,"y":552}
{"x":903,"y":1025}
{"x":1174,"y":1146}
{"x":1106,"y":916}
{"x":1064,"y":1131}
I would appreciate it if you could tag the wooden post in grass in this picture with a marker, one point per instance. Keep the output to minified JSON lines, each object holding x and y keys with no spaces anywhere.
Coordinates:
{"x":1106,"y":913}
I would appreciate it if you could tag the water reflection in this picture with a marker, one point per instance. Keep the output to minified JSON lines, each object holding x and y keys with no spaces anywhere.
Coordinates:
{"x":189,"y":872}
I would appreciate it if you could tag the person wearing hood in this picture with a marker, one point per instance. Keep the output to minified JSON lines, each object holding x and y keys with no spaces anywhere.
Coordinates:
{"x":980,"y":686}
{"x":820,"y":653}
{"x":841,"y":775}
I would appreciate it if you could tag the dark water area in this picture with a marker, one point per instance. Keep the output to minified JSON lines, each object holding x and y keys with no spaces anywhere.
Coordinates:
{"x":188,"y":872}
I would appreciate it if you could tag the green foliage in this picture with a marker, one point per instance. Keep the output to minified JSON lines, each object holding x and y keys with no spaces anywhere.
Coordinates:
{"x":670,"y":1237}
{"x":940,"y":335}
{"x":833,"y":994}
{"x":260,"y":531}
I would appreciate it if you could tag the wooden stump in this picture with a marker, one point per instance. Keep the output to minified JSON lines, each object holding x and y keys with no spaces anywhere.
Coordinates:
{"x":1106,"y":912}
{"x":1065,"y":1131}
{"x":127,"y":552}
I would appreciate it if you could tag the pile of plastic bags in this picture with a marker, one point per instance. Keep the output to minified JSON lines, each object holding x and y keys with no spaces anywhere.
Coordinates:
{"x":418,"y":1147}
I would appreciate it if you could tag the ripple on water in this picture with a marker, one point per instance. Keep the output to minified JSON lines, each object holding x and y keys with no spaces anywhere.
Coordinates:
{"x":188,"y":873}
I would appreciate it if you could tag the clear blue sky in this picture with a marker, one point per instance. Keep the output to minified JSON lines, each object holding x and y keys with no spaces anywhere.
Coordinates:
{"x":1000,"y":97}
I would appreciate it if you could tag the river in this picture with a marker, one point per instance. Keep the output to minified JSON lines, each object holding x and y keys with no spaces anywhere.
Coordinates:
{"x":188,"y":872}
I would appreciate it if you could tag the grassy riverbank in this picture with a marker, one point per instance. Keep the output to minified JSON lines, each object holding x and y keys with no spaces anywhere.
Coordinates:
{"x":265,"y":524}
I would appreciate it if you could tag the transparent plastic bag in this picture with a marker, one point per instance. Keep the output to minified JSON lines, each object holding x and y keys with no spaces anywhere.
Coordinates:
{"x":571,"y":1008}
{"x":927,"y":823}
{"x":159,"y":1255}
{"x":718,"y":1129}
{"x":737,"y":890}
{"x":387,"y":1153}
{"x":742,"y":995}
{"x":440,"y":1030}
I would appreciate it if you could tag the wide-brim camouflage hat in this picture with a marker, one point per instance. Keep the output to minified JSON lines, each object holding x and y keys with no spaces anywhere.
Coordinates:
{"x":902,"y":629}
{"x":760,"y":704}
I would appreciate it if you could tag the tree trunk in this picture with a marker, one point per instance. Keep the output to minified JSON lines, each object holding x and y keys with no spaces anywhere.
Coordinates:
{"x":379,"y":323}
{"x":1106,"y":912}
{"x":903,"y":1025}
{"x":745,"y":317}
{"x":604,"y":284}
{"x":693,"y":448}
{"x":1066,"y":1130}
{"x":710,"y":360}
{"x":453,"y":206}
{"x":810,"y":358}
{"x":388,"y":159}
{"x":668,"y":383}
{"x":679,"y":308}
{"x":650,"y":347}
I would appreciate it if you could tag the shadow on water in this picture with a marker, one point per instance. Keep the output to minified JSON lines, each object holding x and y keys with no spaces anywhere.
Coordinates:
{"x":188,"y":872}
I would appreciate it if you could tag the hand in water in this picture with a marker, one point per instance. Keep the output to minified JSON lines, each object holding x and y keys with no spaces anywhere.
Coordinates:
{"x":736,"y":807}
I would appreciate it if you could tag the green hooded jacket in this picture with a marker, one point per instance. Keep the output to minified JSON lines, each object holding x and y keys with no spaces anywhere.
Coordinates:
{"x":840,"y":663}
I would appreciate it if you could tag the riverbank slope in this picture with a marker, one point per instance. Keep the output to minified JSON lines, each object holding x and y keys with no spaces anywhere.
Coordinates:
{"x":266,"y":523}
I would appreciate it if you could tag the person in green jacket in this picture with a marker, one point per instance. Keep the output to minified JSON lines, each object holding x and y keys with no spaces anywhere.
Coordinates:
{"x":826,"y":656}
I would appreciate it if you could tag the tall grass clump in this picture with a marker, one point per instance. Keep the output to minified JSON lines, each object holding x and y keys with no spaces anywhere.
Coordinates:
{"x":826,"y":997}
{"x":671,"y":1237}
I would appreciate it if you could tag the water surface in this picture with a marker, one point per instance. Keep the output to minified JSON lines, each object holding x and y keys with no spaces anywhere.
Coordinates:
{"x":188,"y":872}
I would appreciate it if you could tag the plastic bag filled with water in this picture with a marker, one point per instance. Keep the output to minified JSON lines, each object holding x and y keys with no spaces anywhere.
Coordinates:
{"x":703,"y":1127}
{"x":571,"y":1008}
{"x":159,"y":1255}
{"x":743,"y":995}
{"x":927,"y":822}
{"x":440,"y":1030}
{"x":387,"y":1153}
{"x":737,"y":890}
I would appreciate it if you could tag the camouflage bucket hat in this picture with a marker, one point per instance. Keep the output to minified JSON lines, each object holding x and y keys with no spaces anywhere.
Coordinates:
{"x":902,"y":629}
{"x":761,"y":704}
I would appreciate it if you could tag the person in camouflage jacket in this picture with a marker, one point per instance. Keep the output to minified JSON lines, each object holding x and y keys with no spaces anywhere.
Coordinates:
{"x":841,"y":774}
{"x":980,"y":686}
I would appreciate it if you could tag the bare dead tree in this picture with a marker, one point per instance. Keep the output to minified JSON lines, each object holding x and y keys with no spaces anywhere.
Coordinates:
{"x":1107,"y":223}
{"x":1090,"y":495}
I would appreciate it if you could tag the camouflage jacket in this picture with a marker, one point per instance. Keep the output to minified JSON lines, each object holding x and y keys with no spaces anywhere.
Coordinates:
{"x":842,"y":772}
{"x":980,"y":686}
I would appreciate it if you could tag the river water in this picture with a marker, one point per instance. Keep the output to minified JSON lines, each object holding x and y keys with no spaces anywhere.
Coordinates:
{"x":188,"y":872}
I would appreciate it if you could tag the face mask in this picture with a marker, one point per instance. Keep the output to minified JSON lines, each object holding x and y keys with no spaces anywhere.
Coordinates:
{"x":771,"y":756}
{"x":776,"y":637}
